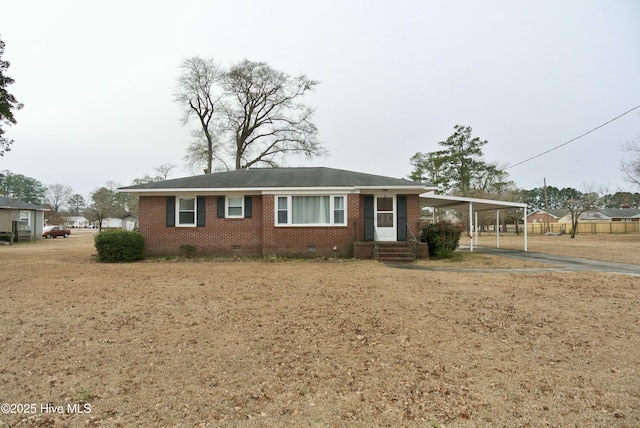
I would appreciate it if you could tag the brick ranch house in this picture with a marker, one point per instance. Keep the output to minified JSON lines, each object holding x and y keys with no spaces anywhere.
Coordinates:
{"x":551,"y":216}
{"x":308,"y":212}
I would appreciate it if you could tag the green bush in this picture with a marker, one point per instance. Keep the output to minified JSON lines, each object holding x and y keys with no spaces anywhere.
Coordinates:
{"x":443,"y":238}
{"x":119,"y":246}
{"x":187,"y":250}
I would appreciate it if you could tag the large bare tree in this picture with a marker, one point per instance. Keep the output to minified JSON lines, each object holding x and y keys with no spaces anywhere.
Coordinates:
{"x":250,"y":114}
{"x":198,"y":93}
{"x":264,"y":112}
{"x":57,"y":195}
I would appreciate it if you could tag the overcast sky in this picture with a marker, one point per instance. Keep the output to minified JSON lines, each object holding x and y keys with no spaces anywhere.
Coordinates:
{"x":97,"y":79}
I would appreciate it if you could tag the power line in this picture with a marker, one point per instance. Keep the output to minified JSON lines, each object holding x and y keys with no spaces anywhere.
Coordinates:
{"x":574,"y":139}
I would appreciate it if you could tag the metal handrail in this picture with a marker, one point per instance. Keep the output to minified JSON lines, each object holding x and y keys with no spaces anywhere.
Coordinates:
{"x":376,"y":245}
{"x":413,"y":243}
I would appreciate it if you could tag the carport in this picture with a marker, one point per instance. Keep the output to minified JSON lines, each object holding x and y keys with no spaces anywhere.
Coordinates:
{"x":473,"y":205}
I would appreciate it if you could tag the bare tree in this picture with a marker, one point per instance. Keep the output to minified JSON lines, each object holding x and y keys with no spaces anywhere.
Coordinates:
{"x":631,"y":165}
{"x":198,"y":94}
{"x":264,"y":114}
{"x":57,"y":195}
{"x":249,"y":114}
{"x":164,"y":170}
{"x":578,"y":204}
{"x":197,"y":154}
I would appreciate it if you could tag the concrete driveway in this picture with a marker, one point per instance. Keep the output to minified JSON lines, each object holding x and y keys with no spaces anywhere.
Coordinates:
{"x":565,"y":264}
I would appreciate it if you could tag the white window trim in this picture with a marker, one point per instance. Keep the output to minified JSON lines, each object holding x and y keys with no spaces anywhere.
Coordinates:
{"x":195,"y":211}
{"x":226,"y":207}
{"x":290,"y":215}
{"x":25,"y":217}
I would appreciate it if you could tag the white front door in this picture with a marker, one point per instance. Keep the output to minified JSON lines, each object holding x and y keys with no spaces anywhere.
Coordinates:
{"x":385,"y":217}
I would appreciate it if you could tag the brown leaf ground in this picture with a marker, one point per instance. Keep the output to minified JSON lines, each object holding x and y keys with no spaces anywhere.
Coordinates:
{"x":318,"y":343}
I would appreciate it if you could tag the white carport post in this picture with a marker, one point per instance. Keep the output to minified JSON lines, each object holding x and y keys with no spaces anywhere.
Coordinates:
{"x":525,"y":228}
{"x":497,"y":228}
{"x":476,"y":226}
{"x":471,"y":228}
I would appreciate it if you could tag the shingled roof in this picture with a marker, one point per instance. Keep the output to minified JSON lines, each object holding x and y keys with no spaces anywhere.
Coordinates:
{"x":15,"y":204}
{"x":273,"y":178}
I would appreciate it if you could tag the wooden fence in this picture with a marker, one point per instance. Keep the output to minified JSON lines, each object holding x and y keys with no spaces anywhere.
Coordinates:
{"x":587,"y":228}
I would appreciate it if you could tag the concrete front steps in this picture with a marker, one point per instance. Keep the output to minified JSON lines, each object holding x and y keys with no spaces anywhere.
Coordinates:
{"x":395,"y":252}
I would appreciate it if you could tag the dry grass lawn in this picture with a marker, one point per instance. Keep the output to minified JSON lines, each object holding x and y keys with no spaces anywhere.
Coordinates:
{"x":182,"y":343}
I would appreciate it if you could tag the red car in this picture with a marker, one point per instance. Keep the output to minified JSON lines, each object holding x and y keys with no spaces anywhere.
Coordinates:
{"x":55,"y":231}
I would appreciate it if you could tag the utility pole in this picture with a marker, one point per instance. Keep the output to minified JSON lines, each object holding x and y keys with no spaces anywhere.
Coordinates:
{"x":546,"y":206}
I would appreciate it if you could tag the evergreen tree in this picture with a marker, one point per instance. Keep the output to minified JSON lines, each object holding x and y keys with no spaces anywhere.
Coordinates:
{"x":8,"y":103}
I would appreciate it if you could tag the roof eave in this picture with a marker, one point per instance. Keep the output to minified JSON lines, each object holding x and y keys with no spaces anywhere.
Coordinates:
{"x":271,"y":190}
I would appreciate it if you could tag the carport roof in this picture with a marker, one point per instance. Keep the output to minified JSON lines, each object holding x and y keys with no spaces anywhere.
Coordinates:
{"x":462,"y":203}
{"x":472,"y":204}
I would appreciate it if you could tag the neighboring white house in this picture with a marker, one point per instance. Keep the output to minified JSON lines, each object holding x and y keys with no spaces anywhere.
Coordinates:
{"x":76,"y":221}
{"x":111,"y":223}
{"x":130,"y":222}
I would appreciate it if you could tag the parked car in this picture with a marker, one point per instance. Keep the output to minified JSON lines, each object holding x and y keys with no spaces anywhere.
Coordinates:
{"x":55,"y":231}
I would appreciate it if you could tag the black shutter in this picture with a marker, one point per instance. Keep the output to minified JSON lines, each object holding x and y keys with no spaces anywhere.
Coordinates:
{"x":220,"y":206}
{"x":402,"y":217}
{"x":368,"y":217}
{"x":201,"y":220}
{"x":248,"y":207}
{"x":171,"y":211}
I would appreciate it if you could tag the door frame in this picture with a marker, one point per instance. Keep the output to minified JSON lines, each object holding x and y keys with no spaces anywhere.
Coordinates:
{"x":386,"y":233}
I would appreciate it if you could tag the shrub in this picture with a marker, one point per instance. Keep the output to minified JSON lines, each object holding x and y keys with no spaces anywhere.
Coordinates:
{"x":119,"y":246}
{"x":443,"y":238}
{"x":187,"y":250}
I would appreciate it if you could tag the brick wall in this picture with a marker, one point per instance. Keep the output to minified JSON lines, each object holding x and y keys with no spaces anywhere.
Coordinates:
{"x":257,"y":236}
{"x":219,"y":236}
{"x":541,"y":218}
{"x":413,"y":215}
{"x":304,"y":241}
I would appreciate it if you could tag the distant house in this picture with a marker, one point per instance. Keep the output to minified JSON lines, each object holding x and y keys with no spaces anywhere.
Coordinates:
{"x":76,"y":221}
{"x":20,"y":221}
{"x":605,"y":216}
{"x":621,"y":214}
{"x":551,"y":216}
{"x":284,"y":211}
{"x":130,"y":222}
{"x":444,"y":215}
{"x":111,"y":223}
